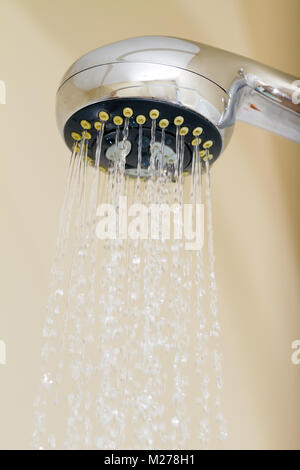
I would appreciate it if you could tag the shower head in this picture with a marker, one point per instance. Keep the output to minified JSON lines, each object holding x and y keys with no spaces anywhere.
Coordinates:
{"x":185,"y":88}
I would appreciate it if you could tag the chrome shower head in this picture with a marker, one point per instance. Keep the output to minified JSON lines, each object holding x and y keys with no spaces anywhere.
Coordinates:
{"x":185,"y":87}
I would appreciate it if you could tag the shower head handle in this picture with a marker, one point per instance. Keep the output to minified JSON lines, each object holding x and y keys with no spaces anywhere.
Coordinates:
{"x":259,"y":95}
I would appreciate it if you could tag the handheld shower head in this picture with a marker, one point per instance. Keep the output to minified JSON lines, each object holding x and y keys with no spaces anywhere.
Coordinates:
{"x":187,"y":88}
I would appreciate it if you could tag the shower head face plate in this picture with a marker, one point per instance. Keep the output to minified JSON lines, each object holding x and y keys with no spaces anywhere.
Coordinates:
{"x":195,"y":128}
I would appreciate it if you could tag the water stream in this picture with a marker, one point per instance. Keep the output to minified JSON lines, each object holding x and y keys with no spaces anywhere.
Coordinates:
{"x":130,"y":352}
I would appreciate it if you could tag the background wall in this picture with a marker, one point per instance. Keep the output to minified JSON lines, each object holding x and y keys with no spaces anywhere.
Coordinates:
{"x":255,"y":198}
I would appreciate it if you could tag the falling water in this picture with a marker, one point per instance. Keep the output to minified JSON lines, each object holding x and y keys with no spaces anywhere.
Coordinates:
{"x":131,"y":354}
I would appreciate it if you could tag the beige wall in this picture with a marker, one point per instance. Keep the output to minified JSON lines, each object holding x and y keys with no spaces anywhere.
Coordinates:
{"x":255,"y":191}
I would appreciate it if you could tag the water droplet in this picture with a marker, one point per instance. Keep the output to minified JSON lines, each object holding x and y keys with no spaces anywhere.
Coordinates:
{"x":47,"y":380}
{"x":175,"y":421}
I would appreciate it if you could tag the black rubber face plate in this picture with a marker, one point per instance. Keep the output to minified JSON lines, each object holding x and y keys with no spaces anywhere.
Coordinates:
{"x":210,"y":141}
